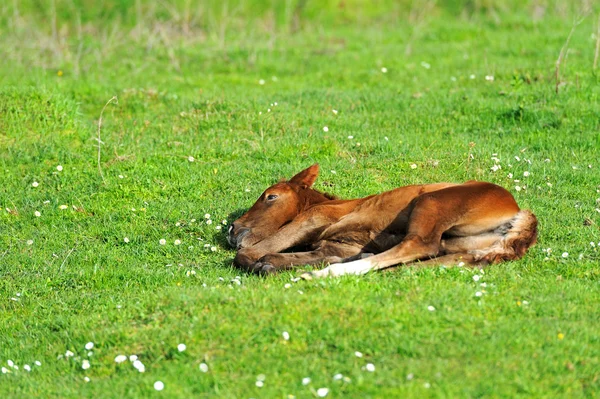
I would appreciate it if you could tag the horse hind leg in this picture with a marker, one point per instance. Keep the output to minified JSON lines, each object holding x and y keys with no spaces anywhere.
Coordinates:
{"x":465,"y":259}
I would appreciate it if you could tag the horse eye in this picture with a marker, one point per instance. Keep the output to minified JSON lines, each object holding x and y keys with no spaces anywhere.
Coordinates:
{"x":272,"y":197}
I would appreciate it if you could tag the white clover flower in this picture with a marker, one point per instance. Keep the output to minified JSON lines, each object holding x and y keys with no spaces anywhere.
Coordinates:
{"x":85,"y":364}
{"x":35,"y":184}
{"x":213,"y":249}
{"x":370,"y":367}
{"x":139,"y":366}
{"x":209,"y":221}
{"x":181,"y":347}
{"x":476,"y":277}
{"x":162,"y":241}
{"x":306,"y":381}
{"x":286,"y":335}
{"x":358,"y":354}
{"x":204,"y":367}
{"x":518,"y":188}
{"x":59,"y":168}
{"x":325,"y":129}
{"x":322,"y":392}
{"x":565,"y":255}
{"x":430,"y":308}
{"x":159,"y":385}
{"x":86,"y":379}
{"x":69,"y":354}
{"x":27,"y":367}
{"x":37,"y":214}
{"x":120,"y":358}
{"x":177,"y":242}
{"x":126,"y":239}
{"x":89,"y":346}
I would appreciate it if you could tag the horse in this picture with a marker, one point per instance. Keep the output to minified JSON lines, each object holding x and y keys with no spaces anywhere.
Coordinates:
{"x":473,"y":223}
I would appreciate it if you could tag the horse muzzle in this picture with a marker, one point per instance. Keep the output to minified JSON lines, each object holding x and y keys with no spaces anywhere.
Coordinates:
{"x":236,"y":236}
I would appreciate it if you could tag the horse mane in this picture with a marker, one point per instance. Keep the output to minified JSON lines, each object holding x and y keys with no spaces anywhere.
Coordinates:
{"x":327,"y":195}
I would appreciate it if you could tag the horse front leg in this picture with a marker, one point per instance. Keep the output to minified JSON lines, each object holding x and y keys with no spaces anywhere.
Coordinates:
{"x":327,"y":252}
{"x":304,"y":229}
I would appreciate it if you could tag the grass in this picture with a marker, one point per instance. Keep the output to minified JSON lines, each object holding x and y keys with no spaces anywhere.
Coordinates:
{"x":187,"y":81}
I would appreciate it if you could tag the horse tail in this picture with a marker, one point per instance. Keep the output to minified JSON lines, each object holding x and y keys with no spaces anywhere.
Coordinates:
{"x":520,"y":234}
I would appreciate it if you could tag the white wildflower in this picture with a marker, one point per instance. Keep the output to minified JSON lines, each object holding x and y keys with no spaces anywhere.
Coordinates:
{"x":120,"y":358}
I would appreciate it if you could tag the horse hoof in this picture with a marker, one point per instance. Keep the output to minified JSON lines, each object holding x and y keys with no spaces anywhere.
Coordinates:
{"x":306,"y":276}
{"x":264,"y":268}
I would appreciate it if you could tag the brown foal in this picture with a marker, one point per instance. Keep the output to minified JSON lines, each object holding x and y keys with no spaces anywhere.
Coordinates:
{"x":442,"y":223}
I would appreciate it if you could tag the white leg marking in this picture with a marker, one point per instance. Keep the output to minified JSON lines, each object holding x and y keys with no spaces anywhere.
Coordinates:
{"x":356,"y":267}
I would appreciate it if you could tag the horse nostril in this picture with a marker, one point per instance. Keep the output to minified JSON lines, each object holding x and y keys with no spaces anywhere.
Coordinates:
{"x":240,"y":237}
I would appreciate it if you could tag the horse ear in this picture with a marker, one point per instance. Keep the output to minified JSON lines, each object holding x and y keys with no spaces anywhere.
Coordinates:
{"x":307,"y":177}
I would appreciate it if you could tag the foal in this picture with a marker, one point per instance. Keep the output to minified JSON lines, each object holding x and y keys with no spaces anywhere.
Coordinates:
{"x":474,"y":222}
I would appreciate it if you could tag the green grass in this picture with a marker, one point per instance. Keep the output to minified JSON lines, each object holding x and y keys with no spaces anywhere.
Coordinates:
{"x":187,"y":81}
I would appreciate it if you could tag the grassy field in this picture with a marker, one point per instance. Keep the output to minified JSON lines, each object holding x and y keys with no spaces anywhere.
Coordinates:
{"x":218,"y":100}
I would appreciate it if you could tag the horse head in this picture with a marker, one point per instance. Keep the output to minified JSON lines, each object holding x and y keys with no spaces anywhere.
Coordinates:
{"x":277,"y":206}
